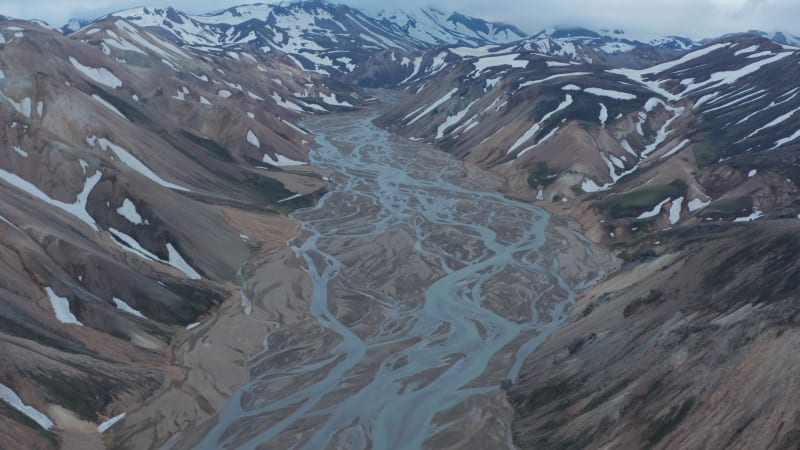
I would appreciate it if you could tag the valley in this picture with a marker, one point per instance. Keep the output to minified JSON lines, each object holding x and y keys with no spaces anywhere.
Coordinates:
{"x":419,"y":306}
{"x":307,"y":225}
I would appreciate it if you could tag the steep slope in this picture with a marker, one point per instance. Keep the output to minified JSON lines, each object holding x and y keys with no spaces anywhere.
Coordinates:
{"x":691,"y":349}
{"x":136,"y":179}
{"x":611,"y":47}
{"x":714,"y":124}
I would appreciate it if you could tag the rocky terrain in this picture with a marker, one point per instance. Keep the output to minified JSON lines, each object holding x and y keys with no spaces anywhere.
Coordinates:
{"x":137,"y":178}
{"x":708,"y":136}
{"x":688,"y":347}
{"x":158,"y":288}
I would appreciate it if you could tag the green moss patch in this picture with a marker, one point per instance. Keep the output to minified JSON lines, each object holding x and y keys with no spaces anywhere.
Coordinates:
{"x":728,"y":208}
{"x":635,"y":203}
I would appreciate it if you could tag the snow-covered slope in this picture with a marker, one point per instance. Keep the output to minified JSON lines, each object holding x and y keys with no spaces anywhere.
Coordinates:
{"x":711,"y":134}
{"x":74,"y":25}
{"x":322,"y":37}
{"x":434,"y":27}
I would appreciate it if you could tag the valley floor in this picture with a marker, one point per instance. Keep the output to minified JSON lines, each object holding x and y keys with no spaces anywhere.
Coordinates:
{"x":411,"y":293}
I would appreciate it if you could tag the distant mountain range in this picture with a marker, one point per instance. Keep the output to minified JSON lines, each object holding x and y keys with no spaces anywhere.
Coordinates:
{"x":335,"y":38}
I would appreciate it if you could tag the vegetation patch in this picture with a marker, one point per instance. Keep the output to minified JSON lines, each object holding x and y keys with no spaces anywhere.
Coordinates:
{"x":577,"y":190}
{"x":635,"y":203}
{"x":705,"y":154}
{"x":540,"y":175}
{"x":727,"y":208}
{"x":268,"y":189}
{"x":304,"y":201}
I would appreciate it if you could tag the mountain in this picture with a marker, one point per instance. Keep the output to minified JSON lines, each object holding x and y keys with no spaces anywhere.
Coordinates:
{"x":323,"y":37}
{"x":685,"y":347}
{"x":611,"y":47}
{"x":778,"y":36}
{"x":137,"y":179}
{"x":337,"y":40}
{"x":714,"y":124}
{"x":74,"y":25}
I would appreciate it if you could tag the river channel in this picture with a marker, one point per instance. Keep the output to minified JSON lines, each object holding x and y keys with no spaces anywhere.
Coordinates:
{"x":429,"y":291}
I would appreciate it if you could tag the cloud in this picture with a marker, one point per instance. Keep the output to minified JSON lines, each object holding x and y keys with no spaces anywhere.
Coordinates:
{"x":692,"y":18}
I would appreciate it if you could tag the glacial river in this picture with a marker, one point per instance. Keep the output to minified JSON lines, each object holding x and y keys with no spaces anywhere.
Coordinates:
{"x":428,"y":294}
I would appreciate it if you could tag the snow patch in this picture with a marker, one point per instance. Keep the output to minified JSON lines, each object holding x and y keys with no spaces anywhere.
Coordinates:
{"x":675,"y":211}
{"x":97,"y":74}
{"x":655,"y":211}
{"x":124,"y":307}
{"x":107,"y":105}
{"x":110,"y":422}
{"x":11,"y":397}
{"x":290,"y":198}
{"x":617,"y":95}
{"x":77,"y":209}
{"x":753,"y":216}
{"x":286,"y":104}
{"x":532,"y":131}
{"x":435,"y":105}
{"x":182,"y":93}
{"x":253,"y":139}
{"x":331,"y":100}
{"x":603,"y":115}
{"x":128,"y":211}
{"x":177,"y":261}
{"x":676,"y":149}
{"x":132,"y":162}
{"x":61,"y":308}
{"x":697,"y":204}
{"x":132,"y":245}
{"x":23,"y":106}
{"x":487,"y":62}
{"x":453,"y":120}
{"x":280,"y":160}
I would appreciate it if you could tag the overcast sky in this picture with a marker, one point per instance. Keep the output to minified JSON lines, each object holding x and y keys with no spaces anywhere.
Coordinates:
{"x":692,"y":18}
